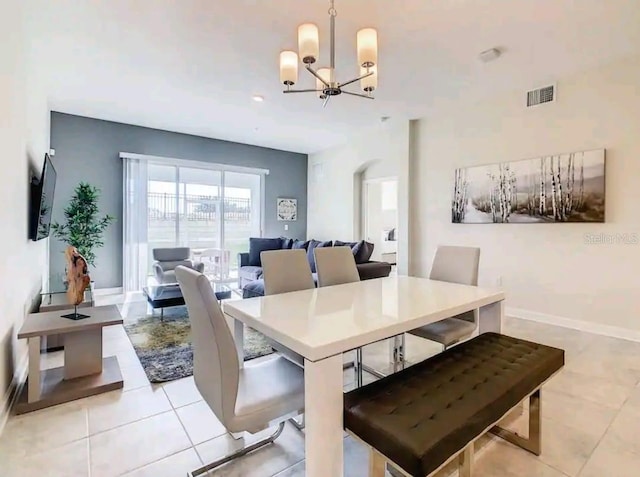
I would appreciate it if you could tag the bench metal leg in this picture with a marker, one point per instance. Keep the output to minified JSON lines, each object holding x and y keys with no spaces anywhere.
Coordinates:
{"x":399,"y":345}
{"x":465,"y":462}
{"x":377,"y":464}
{"x":358,"y":368}
{"x":533,"y":443}
{"x":239,"y":453}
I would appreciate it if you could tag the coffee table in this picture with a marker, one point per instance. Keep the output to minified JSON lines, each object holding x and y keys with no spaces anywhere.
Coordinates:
{"x":85,"y":371}
{"x":164,"y":296}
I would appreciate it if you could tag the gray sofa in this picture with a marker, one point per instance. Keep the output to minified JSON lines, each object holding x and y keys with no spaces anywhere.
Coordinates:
{"x":250,"y":271}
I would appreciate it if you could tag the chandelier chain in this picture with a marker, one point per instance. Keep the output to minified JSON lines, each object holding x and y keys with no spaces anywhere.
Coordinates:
{"x":332,"y":9}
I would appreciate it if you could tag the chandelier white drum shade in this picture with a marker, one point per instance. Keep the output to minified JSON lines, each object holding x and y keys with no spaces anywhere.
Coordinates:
{"x":288,"y":67}
{"x":308,"y":42}
{"x":325,"y":78}
{"x":367,"y":47}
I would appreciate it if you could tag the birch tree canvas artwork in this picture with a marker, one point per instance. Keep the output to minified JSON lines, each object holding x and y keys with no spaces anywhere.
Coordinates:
{"x":558,"y":188}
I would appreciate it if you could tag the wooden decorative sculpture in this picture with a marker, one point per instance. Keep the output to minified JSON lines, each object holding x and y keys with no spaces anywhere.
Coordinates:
{"x":78,"y":278}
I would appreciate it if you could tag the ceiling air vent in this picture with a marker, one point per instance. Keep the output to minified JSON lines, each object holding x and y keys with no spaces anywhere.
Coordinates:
{"x":546,"y":94}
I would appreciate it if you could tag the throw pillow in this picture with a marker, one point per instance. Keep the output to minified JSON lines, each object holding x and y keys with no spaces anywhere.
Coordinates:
{"x":363,"y":251}
{"x":313,"y":244}
{"x":300,"y":244}
{"x":287,"y":243}
{"x":257,"y":245}
{"x":338,"y":243}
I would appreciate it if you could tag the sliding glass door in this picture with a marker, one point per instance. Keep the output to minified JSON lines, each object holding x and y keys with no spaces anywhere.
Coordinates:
{"x":214,"y":212}
{"x":242,"y":212}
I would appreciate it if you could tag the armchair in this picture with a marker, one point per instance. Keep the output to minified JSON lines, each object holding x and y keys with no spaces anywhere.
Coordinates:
{"x":167,"y":259}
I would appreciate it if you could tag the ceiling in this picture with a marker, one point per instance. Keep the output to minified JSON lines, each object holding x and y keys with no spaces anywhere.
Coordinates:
{"x":192,"y":66}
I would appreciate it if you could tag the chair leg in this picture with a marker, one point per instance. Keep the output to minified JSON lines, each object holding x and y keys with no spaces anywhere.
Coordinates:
{"x":465,"y":462}
{"x":238,"y":453}
{"x":533,"y":443}
{"x":373,"y":372}
{"x":298,"y":425}
{"x":377,"y":464}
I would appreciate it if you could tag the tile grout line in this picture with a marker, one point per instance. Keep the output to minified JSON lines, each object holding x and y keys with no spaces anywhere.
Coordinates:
{"x":89,"y":457}
{"x":88,"y":442}
{"x":130,"y":422}
{"x":603,"y":436}
{"x":597,"y":445}
{"x":158,"y":460}
{"x":174,"y":409}
{"x":288,"y":468}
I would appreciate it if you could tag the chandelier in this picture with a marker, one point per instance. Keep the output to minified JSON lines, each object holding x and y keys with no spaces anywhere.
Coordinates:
{"x":326,"y":84}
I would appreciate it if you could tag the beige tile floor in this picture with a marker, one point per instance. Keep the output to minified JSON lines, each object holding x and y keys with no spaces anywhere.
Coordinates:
{"x":591,"y":422}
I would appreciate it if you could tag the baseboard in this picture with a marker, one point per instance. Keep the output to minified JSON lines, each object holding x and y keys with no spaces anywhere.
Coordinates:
{"x":589,"y":327}
{"x":14,"y":390}
{"x":108,"y":291}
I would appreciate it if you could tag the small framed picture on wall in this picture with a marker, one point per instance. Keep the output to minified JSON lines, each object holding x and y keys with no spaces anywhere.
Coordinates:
{"x":287,"y":209}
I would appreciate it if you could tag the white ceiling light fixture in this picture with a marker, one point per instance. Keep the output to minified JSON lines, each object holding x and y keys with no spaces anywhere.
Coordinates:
{"x":258,"y":98}
{"x":326,"y":84}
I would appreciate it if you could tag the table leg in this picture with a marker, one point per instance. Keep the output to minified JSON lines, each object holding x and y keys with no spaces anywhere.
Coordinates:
{"x":491,"y":317}
{"x":238,"y":336}
{"x":323,"y":417}
{"x":34,"y":387}
{"x":82,"y":353}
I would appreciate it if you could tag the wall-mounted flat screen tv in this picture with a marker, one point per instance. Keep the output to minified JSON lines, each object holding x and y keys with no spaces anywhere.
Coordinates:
{"x":42,"y":200}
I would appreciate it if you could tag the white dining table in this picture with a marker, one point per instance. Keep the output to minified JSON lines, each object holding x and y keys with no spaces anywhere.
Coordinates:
{"x":324,"y":323}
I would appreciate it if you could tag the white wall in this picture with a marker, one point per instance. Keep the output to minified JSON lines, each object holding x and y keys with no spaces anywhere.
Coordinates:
{"x":332,"y":205}
{"x":379,"y":219}
{"x":24,"y":129}
{"x":546,"y":268}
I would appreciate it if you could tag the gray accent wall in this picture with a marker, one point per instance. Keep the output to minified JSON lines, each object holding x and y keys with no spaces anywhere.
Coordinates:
{"x":89,"y":150}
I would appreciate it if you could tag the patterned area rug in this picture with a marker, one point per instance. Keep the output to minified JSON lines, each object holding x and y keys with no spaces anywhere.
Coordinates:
{"x":164,"y":347}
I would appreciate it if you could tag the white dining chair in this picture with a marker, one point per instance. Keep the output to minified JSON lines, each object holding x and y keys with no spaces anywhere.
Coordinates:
{"x":285,"y":271}
{"x":247,"y":399}
{"x":336,"y":266}
{"x":455,"y":265}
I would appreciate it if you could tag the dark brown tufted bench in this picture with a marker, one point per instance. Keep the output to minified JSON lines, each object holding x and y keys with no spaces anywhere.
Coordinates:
{"x":424,"y":416}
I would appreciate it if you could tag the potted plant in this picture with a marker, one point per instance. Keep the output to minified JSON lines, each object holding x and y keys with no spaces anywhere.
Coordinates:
{"x":83,"y":227}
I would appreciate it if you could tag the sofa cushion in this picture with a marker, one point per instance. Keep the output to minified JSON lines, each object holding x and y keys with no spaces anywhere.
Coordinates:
{"x":371,"y":270}
{"x":253,"y":289}
{"x":287,"y":243}
{"x":250,"y":273}
{"x":363,"y":251}
{"x":313,"y":244}
{"x":257,"y":245}
{"x":300,"y":244}
{"x":256,"y":287}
